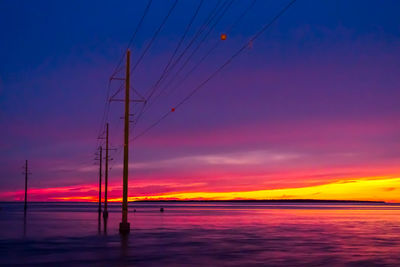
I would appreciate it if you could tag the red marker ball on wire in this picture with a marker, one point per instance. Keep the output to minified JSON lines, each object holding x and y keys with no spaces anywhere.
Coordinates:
{"x":223,"y":36}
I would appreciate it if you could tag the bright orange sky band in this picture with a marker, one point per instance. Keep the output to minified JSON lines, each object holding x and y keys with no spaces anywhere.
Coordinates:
{"x":365,"y":189}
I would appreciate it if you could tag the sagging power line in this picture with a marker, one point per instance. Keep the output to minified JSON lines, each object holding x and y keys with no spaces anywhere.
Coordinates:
{"x":169,"y":76}
{"x":218,"y":70}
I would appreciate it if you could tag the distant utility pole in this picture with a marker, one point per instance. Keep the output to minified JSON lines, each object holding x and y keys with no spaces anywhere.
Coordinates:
{"x":124,"y":226}
{"x":100,"y":174}
{"x":105,"y":212}
{"x":26,"y":184}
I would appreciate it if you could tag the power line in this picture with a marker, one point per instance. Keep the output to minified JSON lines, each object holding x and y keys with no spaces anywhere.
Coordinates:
{"x":200,"y":43}
{"x":223,"y":9}
{"x":146,"y":49}
{"x":209,"y":19}
{"x":209,"y":51}
{"x":172,"y":56}
{"x":238,"y":52}
{"x":169,"y":66}
{"x":133,"y":36}
{"x":198,"y":33}
{"x":242,"y":16}
{"x":177,"y":48}
{"x":107,"y":102}
{"x":155,"y":35}
{"x":106,"y":110}
{"x":227,"y":62}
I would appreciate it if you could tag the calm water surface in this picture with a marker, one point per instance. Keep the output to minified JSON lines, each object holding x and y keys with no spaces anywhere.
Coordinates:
{"x":202,"y":234}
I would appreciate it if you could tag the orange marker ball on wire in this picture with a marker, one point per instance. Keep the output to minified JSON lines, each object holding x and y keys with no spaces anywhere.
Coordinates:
{"x":223,"y":36}
{"x":250,"y":45}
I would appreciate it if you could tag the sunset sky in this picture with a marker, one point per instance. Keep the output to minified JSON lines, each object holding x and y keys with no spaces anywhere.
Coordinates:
{"x":311,"y":110}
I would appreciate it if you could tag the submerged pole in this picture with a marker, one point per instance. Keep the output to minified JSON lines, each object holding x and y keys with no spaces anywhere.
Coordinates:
{"x":105,"y":212}
{"x":124,"y":226}
{"x":100,"y":174}
{"x":26,"y":184}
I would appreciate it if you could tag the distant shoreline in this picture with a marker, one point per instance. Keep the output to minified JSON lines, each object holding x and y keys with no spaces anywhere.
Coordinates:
{"x":226,"y":201}
{"x":268,"y":201}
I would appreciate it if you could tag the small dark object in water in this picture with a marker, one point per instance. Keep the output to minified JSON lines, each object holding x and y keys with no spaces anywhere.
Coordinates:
{"x":134,"y":210}
{"x":161,"y":209}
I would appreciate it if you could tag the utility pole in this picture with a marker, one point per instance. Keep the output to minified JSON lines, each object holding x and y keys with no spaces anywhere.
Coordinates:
{"x":124,"y":226}
{"x":26,"y":184}
{"x":100,"y":174}
{"x":105,"y":212}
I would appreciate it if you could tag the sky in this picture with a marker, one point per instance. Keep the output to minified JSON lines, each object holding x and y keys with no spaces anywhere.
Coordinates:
{"x":308,"y":110}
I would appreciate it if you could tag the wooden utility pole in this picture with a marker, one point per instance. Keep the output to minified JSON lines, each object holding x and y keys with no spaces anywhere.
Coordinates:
{"x":100,"y":174}
{"x":105,"y":212}
{"x":26,"y":184}
{"x":124,"y":226}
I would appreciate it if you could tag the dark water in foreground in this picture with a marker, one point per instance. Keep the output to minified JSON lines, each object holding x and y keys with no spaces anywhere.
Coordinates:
{"x":205,"y":234}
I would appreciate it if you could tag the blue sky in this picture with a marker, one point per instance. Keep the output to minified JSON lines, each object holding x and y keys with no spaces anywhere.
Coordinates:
{"x":321,"y":83}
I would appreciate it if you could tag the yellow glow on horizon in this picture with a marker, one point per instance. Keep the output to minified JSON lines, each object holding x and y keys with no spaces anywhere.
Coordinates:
{"x":368,"y":189}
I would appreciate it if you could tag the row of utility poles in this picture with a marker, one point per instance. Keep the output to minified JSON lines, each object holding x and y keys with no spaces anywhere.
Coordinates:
{"x":124,"y":226}
{"x":26,"y":172}
{"x":105,"y":211}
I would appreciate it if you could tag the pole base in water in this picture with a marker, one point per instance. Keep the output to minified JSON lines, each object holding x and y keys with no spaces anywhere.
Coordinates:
{"x":124,"y":228}
{"x":105,"y":214}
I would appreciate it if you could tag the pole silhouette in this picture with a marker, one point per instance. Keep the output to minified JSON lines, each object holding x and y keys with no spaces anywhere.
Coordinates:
{"x":124,"y":226}
{"x":100,"y":174}
{"x":26,"y":185}
{"x":105,"y":212}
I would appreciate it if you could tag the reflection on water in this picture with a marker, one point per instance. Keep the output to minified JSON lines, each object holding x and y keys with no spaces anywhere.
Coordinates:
{"x":25,"y":222}
{"x":99,"y":223}
{"x":202,"y":234}
{"x":105,"y":224}
{"x":124,"y":247}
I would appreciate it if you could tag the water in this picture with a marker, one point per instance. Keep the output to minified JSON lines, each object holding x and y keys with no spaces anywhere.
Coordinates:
{"x":202,"y":234}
